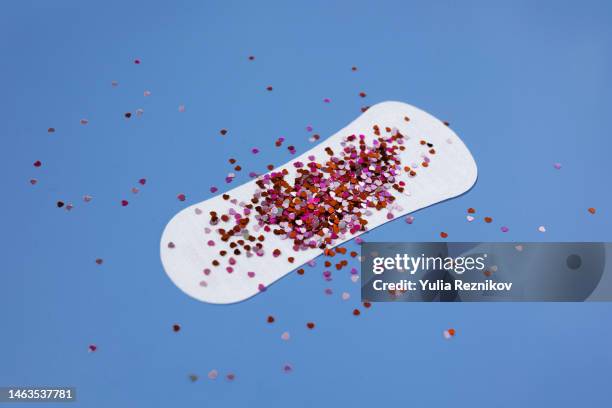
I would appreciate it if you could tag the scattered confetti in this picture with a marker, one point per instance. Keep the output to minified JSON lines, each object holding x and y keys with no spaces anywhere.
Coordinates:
{"x":356,"y":312}
{"x":92,"y":348}
{"x":505,"y":229}
{"x":51,"y":130}
{"x":346,"y":296}
{"x":251,"y":57}
{"x":124,"y":203}
{"x":443,"y":235}
{"x":37,"y":163}
{"x":270,"y":319}
{"x":557,"y":166}
{"x":181,"y":197}
{"x":137,"y":61}
{"x":310,"y":325}
{"x":231,"y":376}
{"x":87,"y":198}
{"x":287,"y":368}
{"x":181,"y":108}
{"x":592,"y":210}
{"x":59,"y":204}
{"x":285,"y":336}
{"x":409,"y":219}
{"x":469,"y":218}
{"x":269,"y":88}
{"x":449,"y":333}
{"x":213,"y":374}
{"x":542,"y":228}
{"x":176,"y":328}
{"x":99,"y":261}
{"x":147,"y":93}
{"x":193,"y":377}
{"x":223,"y":132}
{"x":84,"y":121}
{"x":33,"y":181}
{"x":488,"y":220}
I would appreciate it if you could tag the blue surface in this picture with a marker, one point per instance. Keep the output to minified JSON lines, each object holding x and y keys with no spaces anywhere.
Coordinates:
{"x":524,"y":84}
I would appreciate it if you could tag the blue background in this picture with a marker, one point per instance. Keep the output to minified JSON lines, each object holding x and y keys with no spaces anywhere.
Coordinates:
{"x":525,"y":84}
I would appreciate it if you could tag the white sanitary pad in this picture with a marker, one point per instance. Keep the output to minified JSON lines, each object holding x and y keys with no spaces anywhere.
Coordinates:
{"x":184,"y":251}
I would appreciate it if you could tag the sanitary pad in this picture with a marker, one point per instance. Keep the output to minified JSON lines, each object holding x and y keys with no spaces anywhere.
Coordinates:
{"x":433,"y":165}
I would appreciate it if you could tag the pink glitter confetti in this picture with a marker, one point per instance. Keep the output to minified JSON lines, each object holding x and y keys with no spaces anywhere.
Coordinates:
{"x":213,"y":374}
{"x":92,"y":348}
{"x":409,"y":219}
{"x":181,"y":197}
{"x":181,"y":108}
{"x":557,"y":166}
{"x":87,"y":198}
{"x":285,"y":336}
{"x":254,"y":150}
{"x":142,"y":181}
{"x":326,"y":100}
{"x":147,"y":93}
{"x":505,"y":229}
{"x":214,"y":189}
{"x":137,"y":61}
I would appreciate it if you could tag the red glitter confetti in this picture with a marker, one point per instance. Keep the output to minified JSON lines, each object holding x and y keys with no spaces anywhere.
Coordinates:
{"x":37,"y":163}
{"x":142,"y":181}
{"x":137,"y":61}
{"x":181,"y":197}
{"x":92,"y":348}
{"x":124,"y":203}
{"x":51,"y":130}
{"x":488,"y":220}
{"x":269,"y":88}
{"x":356,"y":312}
{"x":99,"y":261}
{"x":310,"y":325}
{"x":223,"y":132}
{"x":270,"y":319}
{"x":592,"y":210}
{"x":471,"y":210}
{"x":176,"y":328}
{"x":59,"y":204}
{"x":443,"y":235}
